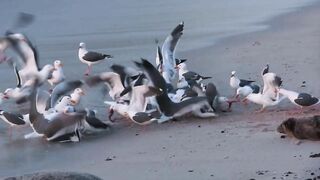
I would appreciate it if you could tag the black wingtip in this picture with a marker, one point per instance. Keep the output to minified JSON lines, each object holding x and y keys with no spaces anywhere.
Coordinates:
{"x":207,"y":77}
{"x":108,"y":56}
{"x":138,"y":64}
{"x":178,"y":29}
{"x":8,"y":33}
{"x":126,"y":91}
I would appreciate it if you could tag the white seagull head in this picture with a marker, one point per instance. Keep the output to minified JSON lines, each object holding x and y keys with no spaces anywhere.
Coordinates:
{"x":82,"y":45}
{"x":79,"y":91}
{"x":57,"y":64}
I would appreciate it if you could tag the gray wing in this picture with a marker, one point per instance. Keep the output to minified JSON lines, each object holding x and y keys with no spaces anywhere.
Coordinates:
{"x":14,"y":118}
{"x":305,"y":99}
{"x":61,"y":121}
{"x":64,"y":88}
{"x":95,"y":56}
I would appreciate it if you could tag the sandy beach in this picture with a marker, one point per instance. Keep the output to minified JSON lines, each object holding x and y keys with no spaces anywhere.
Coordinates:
{"x":240,"y":144}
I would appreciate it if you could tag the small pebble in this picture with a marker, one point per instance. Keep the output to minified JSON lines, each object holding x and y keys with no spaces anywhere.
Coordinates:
{"x":222,"y":131}
{"x":190,"y":171}
{"x":108,"y":159}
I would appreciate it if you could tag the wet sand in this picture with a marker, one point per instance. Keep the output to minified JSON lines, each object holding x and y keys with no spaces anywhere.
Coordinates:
{"x":236,"y":145}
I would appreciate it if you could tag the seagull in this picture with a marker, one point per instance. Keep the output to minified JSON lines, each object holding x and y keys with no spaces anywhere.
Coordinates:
{"x":271,"y":82}
{"x":168,"y":52}
{"x":90,"y":57}
{"x":187,"y":77}
{"x":14,"y":119}
{"x":235,"y":82}
{"x":20,"y":95}
{"x":76,"y":95}
{"x":57,"y":74}
{"x":62,"y":127}
{"x":198,"y":106}
{"x":27,"y":52}
{"x":299,"y":99}
{"x":136,"y":109}
{"x":92,"y":124}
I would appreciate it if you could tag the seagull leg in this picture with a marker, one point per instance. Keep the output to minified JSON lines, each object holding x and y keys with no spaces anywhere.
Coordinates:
{"x":261,"y":110}
{"x":90,"y":68}
{"x":245,"y":102}
{"x":10,"y":132}
{"x":111,"y":111}
{"x":87,"y":72}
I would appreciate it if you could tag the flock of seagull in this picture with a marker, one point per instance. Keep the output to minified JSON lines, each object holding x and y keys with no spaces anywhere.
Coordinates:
{"x":144,"y":94}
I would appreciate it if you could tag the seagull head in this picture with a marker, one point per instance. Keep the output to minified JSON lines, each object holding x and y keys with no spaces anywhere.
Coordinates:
{"x":79,"y":91}
{"x":57,"y":64}
{"x":82,"y":45}
{"x":17,"y":36}
{"x":233,"y":73}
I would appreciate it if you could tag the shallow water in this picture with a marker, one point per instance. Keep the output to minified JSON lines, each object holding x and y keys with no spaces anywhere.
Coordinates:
{"x":131,"y":26}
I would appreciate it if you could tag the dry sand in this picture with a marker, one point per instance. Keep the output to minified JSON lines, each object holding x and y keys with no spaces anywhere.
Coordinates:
{"x":236,"y":145}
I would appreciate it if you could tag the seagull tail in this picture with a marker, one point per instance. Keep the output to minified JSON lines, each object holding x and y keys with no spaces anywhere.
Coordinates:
{"x":207,"y":77}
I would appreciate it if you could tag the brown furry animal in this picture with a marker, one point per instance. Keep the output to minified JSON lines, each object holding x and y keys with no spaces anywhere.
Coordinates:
{"x":302,"y":128}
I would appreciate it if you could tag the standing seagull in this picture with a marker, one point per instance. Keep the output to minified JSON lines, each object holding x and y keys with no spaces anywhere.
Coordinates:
{"x":271,"y":82}
{"x":57,"y":74}
{"x":90,"y":57}
{"x":299,"y":99}
{"x":235,"y":82}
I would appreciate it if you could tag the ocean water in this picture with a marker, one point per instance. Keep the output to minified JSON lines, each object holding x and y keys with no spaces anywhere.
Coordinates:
{"x":128,"y":28}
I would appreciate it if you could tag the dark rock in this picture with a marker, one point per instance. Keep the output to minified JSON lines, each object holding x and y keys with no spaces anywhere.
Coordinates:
{"x":55,"y":176}
{"x":190,"y":171}
{"x":108,"y":159}
{"x":315,"y":155}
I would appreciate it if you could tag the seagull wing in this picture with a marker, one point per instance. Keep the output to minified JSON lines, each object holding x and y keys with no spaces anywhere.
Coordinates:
{"x":169,"y":45}
{"x":95,"y":56}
